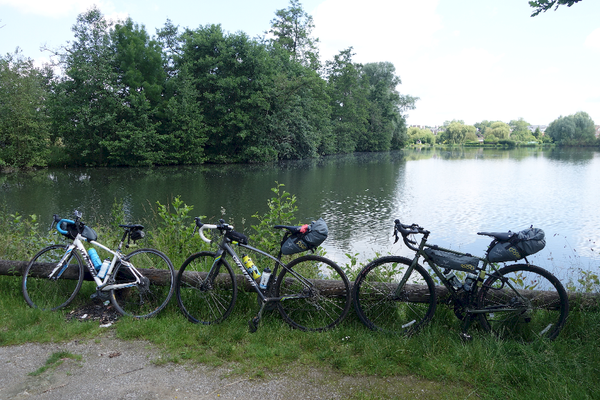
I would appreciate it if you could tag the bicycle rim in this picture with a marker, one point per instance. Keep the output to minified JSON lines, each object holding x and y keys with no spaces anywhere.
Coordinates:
{"x":153,"y":293}
{"x":318,"y":305}
{"x":51,"y":294}
{"x":380,"y":307}
{"x":202,"y":301}
{"x":537,"y":310}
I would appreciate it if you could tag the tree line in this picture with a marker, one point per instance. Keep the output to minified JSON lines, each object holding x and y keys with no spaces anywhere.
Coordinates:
{"x":118,"y":97}
{"x":573,"y":130}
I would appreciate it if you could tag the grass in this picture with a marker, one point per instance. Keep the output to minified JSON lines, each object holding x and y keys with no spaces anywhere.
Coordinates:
{"x":567,"y":368}
{"x":54,"y":361}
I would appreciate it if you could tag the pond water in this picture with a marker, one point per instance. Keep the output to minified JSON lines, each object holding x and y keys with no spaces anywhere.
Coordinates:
{"x":453,"y":193}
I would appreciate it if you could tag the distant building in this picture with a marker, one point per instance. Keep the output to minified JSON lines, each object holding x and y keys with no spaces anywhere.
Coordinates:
{"x":532,"y":128}
{"x":597,"y":131}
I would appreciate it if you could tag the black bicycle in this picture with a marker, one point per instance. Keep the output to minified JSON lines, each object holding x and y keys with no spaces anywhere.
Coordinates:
{"x":521,"y":301}
{"x":311,"y":292}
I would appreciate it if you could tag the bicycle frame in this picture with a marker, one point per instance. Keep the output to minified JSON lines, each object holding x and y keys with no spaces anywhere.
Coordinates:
{"x":453,"y":292}
{"x":226,"y":248}
{"x":101,"y":284}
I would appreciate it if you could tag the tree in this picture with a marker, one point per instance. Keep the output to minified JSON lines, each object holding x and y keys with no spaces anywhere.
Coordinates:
{"x":544,"y":5}
{"x":138,"y":64}
{"x":520,"y":131}
{"x":456,"y":132}
{"x":499,"y":129}
{"x":482,"y":126}
{"x":84,"y":102}
{"x":24,"y":126}
{"x":348,"y":99}
{"x":292,"y":30}
{"x":232,"y":76}
{"x":470,"y":133}
{"x":299,"y":119}
{"x":420,"y":136}
{"x":573,"y":130}
{"x":386,"y":105}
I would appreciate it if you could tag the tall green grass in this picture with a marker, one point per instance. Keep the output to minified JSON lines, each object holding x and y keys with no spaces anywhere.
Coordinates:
{"x":436,"y":359}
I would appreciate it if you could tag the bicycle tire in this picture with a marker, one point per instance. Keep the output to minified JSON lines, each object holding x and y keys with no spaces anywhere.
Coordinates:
{"x":377,"y":304}
{"x":326,"y":304}
{"x":200,"y":301}
{"x":52,"y":294}
{"x":541,"y":315}
{"x":149,"y":298}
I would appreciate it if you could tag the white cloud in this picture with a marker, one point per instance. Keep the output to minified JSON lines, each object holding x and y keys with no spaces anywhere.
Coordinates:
{"x":55,"y":8}
{"x":593,"y":40}
{"x":377,"y":29}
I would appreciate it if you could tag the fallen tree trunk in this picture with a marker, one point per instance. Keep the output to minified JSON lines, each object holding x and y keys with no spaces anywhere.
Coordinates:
{"x":415,"y":293}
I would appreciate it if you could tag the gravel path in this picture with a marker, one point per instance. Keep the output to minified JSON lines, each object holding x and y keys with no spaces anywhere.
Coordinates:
{"x":115,"y":369}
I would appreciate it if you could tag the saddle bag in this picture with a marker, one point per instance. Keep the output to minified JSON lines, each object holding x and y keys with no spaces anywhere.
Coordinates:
{"x":299,"y":242}
{"x":453,"y":261}
{"x":520,"y":245}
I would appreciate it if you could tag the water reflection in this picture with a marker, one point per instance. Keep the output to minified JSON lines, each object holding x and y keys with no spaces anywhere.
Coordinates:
{"x":453,"y":192}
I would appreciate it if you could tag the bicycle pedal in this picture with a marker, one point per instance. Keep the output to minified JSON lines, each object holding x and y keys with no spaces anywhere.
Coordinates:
{"x":253,"y":325}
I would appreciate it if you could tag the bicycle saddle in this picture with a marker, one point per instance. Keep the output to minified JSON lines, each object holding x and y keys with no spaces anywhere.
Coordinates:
{"x":500,"y":236}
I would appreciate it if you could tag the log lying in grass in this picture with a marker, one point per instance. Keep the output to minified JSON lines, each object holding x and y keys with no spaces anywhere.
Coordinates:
{"x":415,"y":293}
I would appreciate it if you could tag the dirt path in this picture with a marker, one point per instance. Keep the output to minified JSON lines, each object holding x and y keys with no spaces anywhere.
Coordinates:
{"x":114,"y":369}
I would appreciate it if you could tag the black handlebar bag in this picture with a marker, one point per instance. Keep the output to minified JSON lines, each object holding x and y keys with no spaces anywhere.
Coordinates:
{"x":520,"y":245}
{"x":299,"y":242}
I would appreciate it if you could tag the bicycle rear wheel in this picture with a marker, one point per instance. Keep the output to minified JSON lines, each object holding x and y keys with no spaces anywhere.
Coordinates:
{"x":538,"y":308}
{"x":378,"y":305}
{"x":152,"y":294}
{"x":57,"y":292}
{"x":316,"y":295}
{"x":201,"y":300}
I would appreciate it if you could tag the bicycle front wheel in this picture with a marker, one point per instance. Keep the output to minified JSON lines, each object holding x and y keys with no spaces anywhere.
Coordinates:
{"x":203,"y":300}
{"x":51,"y":293}
{"x":378,"y":303}
{"x":536,"y":308}
{"x":156,"y":284}
{"x":315,"y":293}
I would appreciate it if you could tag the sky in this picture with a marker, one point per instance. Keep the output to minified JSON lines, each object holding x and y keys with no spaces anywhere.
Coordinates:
{"x":469,"y":60}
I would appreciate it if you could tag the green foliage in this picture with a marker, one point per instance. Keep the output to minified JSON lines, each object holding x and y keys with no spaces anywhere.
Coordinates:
{"x":349,"y":106}
{"x":282,"y":209}
{"x":456,"y":132}
{"x":421,"y":136}
{"x":573,"y":130}
{"x":24,"y":127}
{"x":544,"y":5}
{"x":292,"y":30}
{"x":586,"y":282}
{"x":174,"y":233}
{"x":22,"y":237}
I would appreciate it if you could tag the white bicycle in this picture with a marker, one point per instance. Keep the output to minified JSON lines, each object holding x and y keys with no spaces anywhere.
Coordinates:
{"x":54,"y":276}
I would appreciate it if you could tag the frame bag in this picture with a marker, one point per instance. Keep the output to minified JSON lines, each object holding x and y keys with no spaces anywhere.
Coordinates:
{"x":520,"y":245}
{"x":299,"y":242}
{"x":460,"y":262}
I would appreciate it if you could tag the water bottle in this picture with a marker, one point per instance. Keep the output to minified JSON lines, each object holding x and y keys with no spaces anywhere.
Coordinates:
{"x":104,"y":268}
{"x":250,"y":267}
{"x":469,"y":281}
{"x":453,"y":280}
{"x":95,"y":258}
{"x":264,"y":280}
